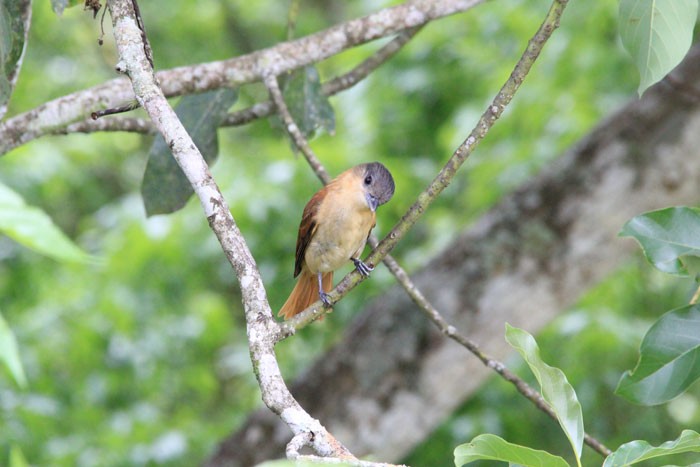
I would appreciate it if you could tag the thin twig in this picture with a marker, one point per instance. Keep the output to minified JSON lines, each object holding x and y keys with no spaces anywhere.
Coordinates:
{"x":297,"y":443}
{"x":450,"y":331}
{"x":375,"y":60}
{"x":293,"y":129}
{"x":409,"y":286}
{"x":335,"y":85}
{"x":146,"y":44}
{"x":115,"y":110}
{"x":445,"y":176}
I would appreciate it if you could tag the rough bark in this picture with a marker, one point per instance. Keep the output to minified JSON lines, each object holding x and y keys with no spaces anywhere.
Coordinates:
{"x":393,"y":377}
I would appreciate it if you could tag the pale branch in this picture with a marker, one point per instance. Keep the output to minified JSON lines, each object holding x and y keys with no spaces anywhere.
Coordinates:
{"x":334,"y":461}
{"x":524,"y":261}
{"x":129,"y":38}
{"x":278,"y":59}
{"x":333,"y":86}
{"x":297,"y":442}
{"x":447,"y":173}
{"x":249,"y":114}
{"x":361,"y":71}
{"x":114,"y":124}
{"x":405,"y":281}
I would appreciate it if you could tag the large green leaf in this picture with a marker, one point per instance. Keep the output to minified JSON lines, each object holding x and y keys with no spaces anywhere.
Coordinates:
{"x":669,"y":359}
{"x":307,"y":104}
{"x":658,"y":34}
{"x":556,"y":390}
{"x":666,"y":236}
{"x":31,"y":227}
{"x":165,"y":188}
{"x":9,"y":354}
{"x":492,"y":447}
{"x":14,"y":27}
{"x":638,"y":451}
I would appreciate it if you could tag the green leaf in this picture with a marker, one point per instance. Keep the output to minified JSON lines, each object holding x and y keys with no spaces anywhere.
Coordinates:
{"x":9,"y":353}
{"x":556,"y":390}
{"x":307,"y":104}
{"x":638,"y":451}
{"x":666,"y":236}
{"x":492,"y":447}
{"x":669,"y":359}
{"x":165,"y":188}
{"x":34,"y":229}
{"x":658,"y":34}
{"x":14,"y":27}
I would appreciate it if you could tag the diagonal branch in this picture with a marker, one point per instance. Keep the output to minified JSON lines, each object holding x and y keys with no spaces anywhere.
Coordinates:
{"x":405,"y":281}
{"x":497,"y":271}
{"x":445,"y":176}
{"x":260,"y":324}
{"x":293,"y":129}
{"x":278,"y":59}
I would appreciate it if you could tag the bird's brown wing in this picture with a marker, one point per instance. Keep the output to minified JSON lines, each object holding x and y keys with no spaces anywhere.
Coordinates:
{"x":307,"y":228}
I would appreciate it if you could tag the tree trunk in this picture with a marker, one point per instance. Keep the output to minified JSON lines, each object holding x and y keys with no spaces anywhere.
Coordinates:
{"x":393,"y":378}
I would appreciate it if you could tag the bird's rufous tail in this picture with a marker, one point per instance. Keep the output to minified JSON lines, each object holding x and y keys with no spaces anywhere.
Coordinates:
{"x":305,"y":293}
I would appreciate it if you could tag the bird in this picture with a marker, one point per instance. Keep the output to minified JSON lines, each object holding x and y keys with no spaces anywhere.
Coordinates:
{"x":334,"y":229}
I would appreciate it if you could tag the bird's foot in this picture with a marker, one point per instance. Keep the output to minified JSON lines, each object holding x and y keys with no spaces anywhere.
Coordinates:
{"x":362,"y":267}
{"x":325,"y":298}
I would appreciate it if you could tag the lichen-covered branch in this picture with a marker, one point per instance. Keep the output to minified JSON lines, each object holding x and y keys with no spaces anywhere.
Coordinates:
{"x":233,"y":72}
{"x":260,"y":110}
{"x":261,"y":327}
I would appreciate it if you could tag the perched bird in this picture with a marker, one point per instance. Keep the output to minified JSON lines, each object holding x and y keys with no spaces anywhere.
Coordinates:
{"x":334,"y":228}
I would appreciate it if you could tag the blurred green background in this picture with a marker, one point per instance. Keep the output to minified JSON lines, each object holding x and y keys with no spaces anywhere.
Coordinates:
{"x":141,"y":359}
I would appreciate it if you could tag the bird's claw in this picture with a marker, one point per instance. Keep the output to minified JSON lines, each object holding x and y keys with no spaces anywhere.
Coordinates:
{"x":362,"y":267}
{"x":325,"y":298}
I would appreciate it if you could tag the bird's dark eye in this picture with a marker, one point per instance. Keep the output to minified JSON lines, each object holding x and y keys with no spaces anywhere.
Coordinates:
{"x":368,"y":179}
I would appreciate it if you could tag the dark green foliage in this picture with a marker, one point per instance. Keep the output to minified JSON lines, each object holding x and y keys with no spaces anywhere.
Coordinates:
{"x":165,"y":188}
{"x":12,"y":41}
{"x":308,"y":106}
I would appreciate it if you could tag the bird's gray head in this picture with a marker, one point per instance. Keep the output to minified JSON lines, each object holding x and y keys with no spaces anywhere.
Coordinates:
{"x":377,"y":182}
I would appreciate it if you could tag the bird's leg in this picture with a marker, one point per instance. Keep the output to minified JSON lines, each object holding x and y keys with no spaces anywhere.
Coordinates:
{"x":321,"y":294}
{"x":361,"y":267}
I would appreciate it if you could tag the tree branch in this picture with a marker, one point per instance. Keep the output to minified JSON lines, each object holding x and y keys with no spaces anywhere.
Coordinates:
{"x":445,"y":176}
{"x":524,"y":261}
{"x":404,"y":280}
{"x":233,"y":72}
{"x":261,"y":326}
{"x":254,"y":112}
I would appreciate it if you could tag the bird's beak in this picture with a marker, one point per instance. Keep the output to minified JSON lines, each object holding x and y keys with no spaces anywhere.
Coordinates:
{"x":372,"y":202}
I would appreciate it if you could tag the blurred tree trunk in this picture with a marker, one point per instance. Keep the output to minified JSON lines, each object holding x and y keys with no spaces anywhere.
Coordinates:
{"x":393,"y":378}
